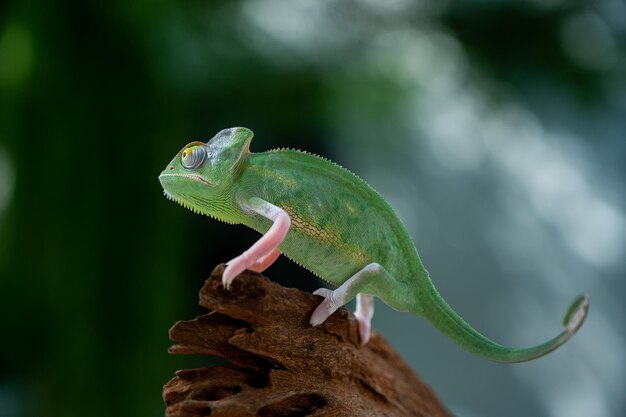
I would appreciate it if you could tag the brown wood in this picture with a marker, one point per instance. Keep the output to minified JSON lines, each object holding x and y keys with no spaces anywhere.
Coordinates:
{"x":281,"y":366}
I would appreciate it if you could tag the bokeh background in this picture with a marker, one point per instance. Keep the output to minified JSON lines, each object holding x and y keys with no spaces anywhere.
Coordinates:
{"x":496,"y":128}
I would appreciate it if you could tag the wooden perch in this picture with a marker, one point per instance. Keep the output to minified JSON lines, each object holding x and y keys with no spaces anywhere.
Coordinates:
{"x":281,"y":366}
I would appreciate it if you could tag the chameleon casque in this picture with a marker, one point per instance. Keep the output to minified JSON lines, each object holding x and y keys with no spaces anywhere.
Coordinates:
{"x":331,"y":222}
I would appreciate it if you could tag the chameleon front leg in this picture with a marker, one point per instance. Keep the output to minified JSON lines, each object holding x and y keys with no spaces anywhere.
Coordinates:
{"x":265,"y":261}
{"x":365,"y":280}
{"x":265,"y":250}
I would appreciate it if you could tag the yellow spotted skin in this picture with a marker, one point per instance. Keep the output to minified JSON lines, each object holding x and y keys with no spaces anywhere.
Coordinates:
{"x":308,"y":228}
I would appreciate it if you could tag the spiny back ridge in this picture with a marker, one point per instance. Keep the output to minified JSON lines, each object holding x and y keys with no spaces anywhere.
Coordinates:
{"x":292,"y":150}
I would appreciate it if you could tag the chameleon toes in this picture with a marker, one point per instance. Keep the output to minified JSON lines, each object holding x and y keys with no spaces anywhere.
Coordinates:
{"x":365,"y":330}
{"x":324,"y":310}
{"x":230,"y":273}
{"x":324,"y":292}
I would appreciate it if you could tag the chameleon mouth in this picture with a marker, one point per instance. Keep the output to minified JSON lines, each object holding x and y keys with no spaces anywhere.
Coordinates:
{"x":194,"y":177}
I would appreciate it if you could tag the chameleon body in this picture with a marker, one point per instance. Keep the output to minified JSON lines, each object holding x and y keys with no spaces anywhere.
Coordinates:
{"x":331,"y":222}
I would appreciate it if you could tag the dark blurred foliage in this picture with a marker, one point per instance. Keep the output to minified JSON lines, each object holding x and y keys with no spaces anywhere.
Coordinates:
{"x":95,"y":99}
{"x":96,"y":264}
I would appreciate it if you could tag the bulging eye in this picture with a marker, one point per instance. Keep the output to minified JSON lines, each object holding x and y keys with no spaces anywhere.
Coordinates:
{"x":193,"y":157}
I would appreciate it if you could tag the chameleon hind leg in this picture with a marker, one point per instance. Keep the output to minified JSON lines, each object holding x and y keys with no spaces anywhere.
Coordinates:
{"x":265,"y":250}
{"x":364,"y":313}
{"x":368,"y":280}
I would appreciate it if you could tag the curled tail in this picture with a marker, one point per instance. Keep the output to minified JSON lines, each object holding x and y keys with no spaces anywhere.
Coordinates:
{"x":441,"y":315}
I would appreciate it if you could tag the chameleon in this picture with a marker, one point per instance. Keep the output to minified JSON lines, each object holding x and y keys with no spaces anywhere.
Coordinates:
{"x":329,"y":221}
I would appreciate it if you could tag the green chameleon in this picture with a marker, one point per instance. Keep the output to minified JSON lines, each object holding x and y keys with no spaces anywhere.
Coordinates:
{"x":331,"y":222}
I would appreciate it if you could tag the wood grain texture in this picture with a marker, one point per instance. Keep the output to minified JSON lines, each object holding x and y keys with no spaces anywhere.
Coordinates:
{"x":281,"y":366}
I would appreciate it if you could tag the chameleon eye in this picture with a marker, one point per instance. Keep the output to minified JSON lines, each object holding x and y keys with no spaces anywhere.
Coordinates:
{"x":193,"y":156}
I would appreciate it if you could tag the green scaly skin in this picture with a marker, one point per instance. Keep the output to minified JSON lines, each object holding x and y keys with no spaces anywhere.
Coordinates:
{"x":339,"y":224}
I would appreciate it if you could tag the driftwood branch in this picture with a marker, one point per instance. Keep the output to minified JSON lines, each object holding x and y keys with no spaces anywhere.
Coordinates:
{"x":281,"y":366}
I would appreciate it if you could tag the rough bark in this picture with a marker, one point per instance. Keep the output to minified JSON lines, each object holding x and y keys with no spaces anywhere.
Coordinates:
{"x":281,"y":366}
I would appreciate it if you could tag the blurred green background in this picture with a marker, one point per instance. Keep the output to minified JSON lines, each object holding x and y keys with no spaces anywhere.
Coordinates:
{"x":495,"y":128}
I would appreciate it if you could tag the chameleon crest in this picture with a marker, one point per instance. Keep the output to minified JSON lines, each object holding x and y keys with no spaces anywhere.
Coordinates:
{"x":331,"y":222}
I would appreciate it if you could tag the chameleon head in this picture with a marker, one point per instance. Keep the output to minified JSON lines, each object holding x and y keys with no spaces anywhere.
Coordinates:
{"x":201,"y":175}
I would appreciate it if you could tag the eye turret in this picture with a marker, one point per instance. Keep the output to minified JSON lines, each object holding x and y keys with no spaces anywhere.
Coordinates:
{"x":193,"y":157}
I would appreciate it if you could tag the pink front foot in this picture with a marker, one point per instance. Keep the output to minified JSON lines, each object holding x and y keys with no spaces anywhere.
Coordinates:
{"x":266,"y":261}
{"x":235,"y":267}
{"x":265,"y":250}
{"x":243,"y":262}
